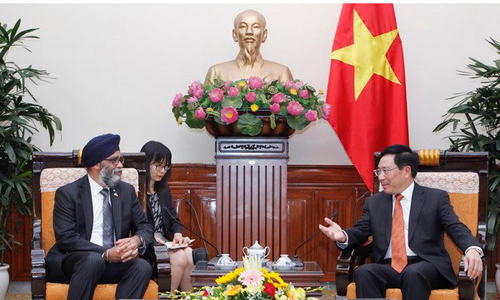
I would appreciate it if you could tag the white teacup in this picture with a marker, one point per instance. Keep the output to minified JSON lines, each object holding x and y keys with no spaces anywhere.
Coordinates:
{"x":284,"y":260}
{"x":225,"y":260}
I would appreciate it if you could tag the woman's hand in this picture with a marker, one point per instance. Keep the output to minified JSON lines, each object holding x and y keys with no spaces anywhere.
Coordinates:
{"x":180,"y":240}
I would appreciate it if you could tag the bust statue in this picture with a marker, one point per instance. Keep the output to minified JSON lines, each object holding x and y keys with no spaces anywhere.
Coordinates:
{"x":249,"y":32}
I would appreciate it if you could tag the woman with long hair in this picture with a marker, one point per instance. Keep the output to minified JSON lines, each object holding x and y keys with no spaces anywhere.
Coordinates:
{"x":158,"y":170}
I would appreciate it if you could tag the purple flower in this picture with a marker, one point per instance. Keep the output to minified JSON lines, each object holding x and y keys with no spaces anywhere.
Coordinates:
{"x":311,"y":115}
{"x":216,"y":95}
{"x":196,"y":89}
{"x":327,"y":109}
{"x":295,"y":108}
{"x":251,"y":97}
{"x":255,"y":82}
{"x":275,"y":108}
{"x":233,"y":92}
{"x":177,"y":100}
{"x":228,"y":115}
{"x":304,"y":94}
{"x":279,"y":98}
{"x":200,"y":114}
{"x":191,"y":100}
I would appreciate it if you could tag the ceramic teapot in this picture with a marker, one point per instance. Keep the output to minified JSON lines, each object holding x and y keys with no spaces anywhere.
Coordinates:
{"x":256,"y":250}
{"x":225,"y":260}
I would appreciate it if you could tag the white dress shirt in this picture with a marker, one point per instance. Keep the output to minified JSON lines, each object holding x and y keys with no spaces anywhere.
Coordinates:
{"x":97,"y":201}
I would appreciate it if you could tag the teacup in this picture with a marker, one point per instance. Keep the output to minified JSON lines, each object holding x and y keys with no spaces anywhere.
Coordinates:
{"x":284,"y":260}
{"x":225,"y":260}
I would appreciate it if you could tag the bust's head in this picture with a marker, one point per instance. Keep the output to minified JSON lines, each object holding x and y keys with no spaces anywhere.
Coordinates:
{"x":250,"y":30}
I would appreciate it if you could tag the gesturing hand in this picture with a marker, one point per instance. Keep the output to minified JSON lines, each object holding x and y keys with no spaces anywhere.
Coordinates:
{"x":333,"y":231}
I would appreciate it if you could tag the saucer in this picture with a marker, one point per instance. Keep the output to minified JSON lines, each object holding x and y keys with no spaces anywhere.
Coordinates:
{"x":226,"y":267}
{"x":283,"y":267}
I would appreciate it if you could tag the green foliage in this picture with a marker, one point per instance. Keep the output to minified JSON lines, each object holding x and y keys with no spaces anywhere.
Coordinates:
{"x":249,"y":124}
{"x":18,"y":120}
{"x":477,"y":118}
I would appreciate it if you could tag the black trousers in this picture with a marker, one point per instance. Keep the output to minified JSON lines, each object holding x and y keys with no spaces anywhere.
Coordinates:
{"x":87,"y":269}
{"x":415,"y":281}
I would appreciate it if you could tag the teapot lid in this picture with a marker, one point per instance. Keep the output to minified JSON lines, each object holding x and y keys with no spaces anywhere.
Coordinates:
{"x":256,"y":246}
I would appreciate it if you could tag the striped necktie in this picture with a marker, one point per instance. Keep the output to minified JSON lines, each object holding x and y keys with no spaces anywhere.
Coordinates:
{"x":107,"y":221}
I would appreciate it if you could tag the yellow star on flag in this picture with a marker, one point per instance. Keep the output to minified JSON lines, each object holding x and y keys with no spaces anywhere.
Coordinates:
{"x":367,"y":55}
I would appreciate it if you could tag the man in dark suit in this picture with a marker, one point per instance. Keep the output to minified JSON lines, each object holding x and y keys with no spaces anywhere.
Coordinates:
{"x":407,"y":223}
{"x":94,"y":218}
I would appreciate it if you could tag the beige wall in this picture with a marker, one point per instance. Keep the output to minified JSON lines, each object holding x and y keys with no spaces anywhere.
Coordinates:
{"x":117,"y":67}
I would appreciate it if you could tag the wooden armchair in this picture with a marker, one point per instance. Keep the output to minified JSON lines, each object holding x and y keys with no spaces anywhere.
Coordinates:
{"x":465,"y":177}
{"x":52,"y":170}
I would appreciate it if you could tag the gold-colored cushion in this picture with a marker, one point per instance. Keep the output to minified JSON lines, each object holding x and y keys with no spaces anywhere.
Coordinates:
{"x":53,"y":178}
{"x":443,"y":294}
{"x":59,"y":291}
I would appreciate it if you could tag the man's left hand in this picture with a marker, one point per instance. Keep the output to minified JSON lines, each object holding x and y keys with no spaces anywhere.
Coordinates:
{"x":129,"y":248}
{"x":473,"y":263}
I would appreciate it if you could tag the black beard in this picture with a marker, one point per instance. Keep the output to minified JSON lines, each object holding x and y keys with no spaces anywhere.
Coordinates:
{"x":109,"y":177}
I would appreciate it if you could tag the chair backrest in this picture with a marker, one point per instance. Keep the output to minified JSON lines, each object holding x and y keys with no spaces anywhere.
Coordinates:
{"x":53,"y":170}
{"x":465,"y":177}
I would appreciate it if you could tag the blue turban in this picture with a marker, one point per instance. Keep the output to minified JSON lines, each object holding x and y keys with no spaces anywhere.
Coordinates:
{"x":99,"y":148}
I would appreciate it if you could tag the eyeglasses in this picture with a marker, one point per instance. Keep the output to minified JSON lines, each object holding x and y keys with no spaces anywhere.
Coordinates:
{"x":115,"y":160}
{"x":377,"y":172}
{"x":160,"y":168}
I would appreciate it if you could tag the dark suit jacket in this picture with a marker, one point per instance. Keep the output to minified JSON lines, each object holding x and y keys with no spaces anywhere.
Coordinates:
{"x":431,"y":214}
{"x":170,"y":225}
{"x":73,"y":219}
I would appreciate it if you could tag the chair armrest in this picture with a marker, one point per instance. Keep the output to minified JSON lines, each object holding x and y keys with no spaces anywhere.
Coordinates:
{"x":37,"y":263}
{"x":161,"y":266}
{"x":347,"y":262}
{"x":466,"y":285}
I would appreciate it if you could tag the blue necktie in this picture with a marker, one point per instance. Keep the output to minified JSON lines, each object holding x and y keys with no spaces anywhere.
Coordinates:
{"x":107,"y":221}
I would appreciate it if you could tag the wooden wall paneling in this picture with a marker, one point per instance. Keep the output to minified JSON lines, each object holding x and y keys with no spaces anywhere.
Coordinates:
{"x":301,"y":225}
{"x":19,"y":257}
{"x":205,"y":203}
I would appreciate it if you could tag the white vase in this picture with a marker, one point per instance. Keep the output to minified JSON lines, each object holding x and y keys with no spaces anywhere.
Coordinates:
{"x":497,"y":278}
{"x":4,"y":280}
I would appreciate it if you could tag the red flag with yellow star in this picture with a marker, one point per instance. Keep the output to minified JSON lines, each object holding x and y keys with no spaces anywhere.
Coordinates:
{"x":367,"y":88}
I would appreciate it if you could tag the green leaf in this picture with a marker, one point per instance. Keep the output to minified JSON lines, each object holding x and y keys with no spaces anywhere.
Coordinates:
{"x":235,"y":102}
{"x":272,"y":119}
{"x":10,"y":152}
{"x":193,"y":122}
{"x":249,"y":124}
{"x":297,"y":122}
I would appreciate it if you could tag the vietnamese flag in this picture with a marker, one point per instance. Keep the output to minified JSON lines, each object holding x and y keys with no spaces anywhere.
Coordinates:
{"x":367,"y":89}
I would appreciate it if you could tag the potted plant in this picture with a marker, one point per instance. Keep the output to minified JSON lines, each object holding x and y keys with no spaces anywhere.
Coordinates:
{"x":477,"y":118}
{"x":18,"y":120}
{"x":250,"y":106}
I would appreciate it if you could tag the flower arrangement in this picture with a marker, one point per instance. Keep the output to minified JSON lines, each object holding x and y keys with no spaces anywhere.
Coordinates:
{"x":250,"y":282}
{"x":228,"y":102}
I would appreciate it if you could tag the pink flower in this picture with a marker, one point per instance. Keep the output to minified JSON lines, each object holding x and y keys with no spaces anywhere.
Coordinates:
{"x":298,"y":85}
{"x":304,"y":94}
{"x":295,"y":108}
{"x":227,"y":85}
{"x":196,"y":89}
{"x":255,"y":82}
{"x":311,"y":115}
{"x":228,"y":115}
{"x":279,"y":97}
{"x":233,"y":92}
{"x":275,"y":108}
{"x":177,"y":100}
{"x":249,"y":277}
{"x":251,"y":97}
{"x":191,"y":100}
{"x":200,"y":114}
{"x":327,"y":109}
{"x":216,"y":95}
{"x":289,"y":83}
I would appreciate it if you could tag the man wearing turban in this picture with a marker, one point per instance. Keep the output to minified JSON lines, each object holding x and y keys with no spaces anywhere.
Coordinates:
{"x":93,"y":219}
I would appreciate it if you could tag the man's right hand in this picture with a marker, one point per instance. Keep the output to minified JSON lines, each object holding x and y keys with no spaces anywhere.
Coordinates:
{"x":114,"y":254}
{"x":333,"y":231}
